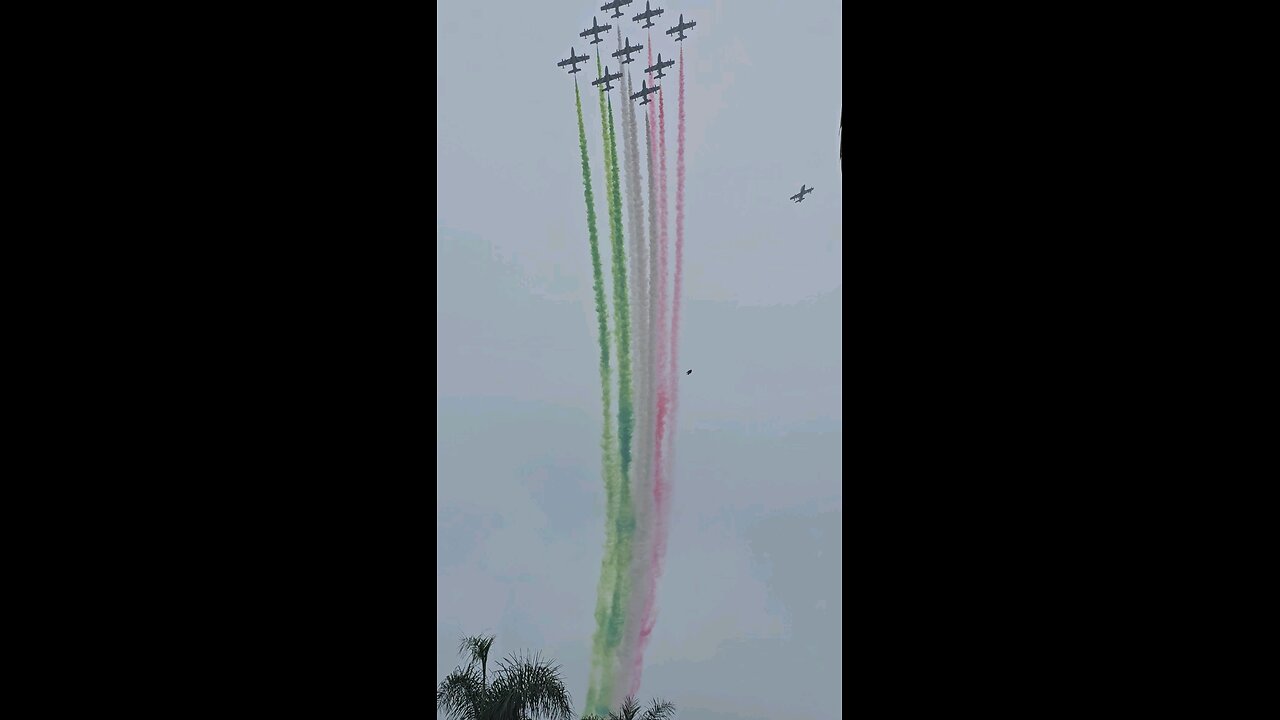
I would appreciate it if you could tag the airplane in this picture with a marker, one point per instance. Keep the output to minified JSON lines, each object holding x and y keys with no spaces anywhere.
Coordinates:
{"x":644,"y":91}
{"x":595,"y":29}
{"x":647,"y":14}
{"x":573,"y":60}
{"x":689,"y":372}
{"x":627,"y":49}
{"x":681,"y":28}
{"x":616,"y":7}
{"x":608,"y":79}
{"x":799,"y":197}
{"x":659,"y":65}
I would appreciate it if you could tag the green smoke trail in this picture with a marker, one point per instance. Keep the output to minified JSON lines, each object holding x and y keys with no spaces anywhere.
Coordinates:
{"x":625,"y":518}
{"x":621,"y":305}
{"x":638,"y":284}
{"x":620,"y":522}
{"x":621,"y":309}
{"x":608,"y":574}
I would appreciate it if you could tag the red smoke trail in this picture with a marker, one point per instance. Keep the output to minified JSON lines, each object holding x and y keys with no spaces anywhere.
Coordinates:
{"x":673,"y":373}
{"x":675,"y":316}
{"x":664,"y":338}
{"x":665,"y":373}
{"x":650,"y":46}
{"x":663,"y":370}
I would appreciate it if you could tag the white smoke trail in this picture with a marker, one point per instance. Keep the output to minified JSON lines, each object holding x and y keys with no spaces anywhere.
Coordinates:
{"x":639,"y":305}
{"x":641,"y":484}
{"x":631,"y":665}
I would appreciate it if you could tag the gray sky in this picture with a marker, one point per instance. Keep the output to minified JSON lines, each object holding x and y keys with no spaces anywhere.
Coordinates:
{"x":749,"y":619}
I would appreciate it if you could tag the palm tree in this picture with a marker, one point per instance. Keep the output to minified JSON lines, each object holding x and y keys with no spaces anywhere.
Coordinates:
{"x":524,"y":687}
{"x":658,"y":710}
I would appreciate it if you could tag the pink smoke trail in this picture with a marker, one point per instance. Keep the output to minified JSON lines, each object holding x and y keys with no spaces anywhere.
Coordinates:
{"x":674,"y":370}
{"x":664,"y":371}
{"x":663,"y":335}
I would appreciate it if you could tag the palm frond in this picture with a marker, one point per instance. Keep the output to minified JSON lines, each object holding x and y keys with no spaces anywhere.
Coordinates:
{"x":527,"y":685}
{"x":477,"y":646}
{"x":461,"y":695}
{"x":659,"y":710}
{"x":629,"y":708}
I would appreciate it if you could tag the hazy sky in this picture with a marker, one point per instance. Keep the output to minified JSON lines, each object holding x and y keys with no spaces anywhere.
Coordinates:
{"x":749,"y":621}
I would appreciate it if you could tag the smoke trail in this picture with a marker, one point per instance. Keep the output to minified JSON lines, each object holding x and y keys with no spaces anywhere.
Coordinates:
{"x":663,"y":368}
{"x":675,"y":304}
{"x":621,"y":517}
{"x":626,"y":512}
{"x":638,"y":277}
{"x":642,"y":478}
{"x":654,"y":276}
{"x":630,"y":655}
{"x":642,"y":503}
{"x":660,"y":546}
{"x":662,"y":389}
{"x":621,"y":308}
{"x":612,"y":568}
{"x":639,"y":280}
{"x":664,"y":403}
{"x":604,"y":594}
{"x":661,"y":353}
{"x":639,"y":476}
{"x":657,"y":273}
{"x":601,"y":675}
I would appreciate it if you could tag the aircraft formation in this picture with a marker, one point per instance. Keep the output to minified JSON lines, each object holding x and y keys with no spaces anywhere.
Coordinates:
{"x":624,"y":55}
{"x":627,"y":50}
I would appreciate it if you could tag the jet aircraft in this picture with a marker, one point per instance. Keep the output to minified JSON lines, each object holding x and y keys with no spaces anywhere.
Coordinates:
{"x":607,"y":79}
{"x":644,"y":92}
{"x":616,"y":7}
{"x":626,"y":50}
{"x":681,"y":28}
{"x":659,"y":65}
{"x":647,"y":15}
{"x":595,"y":30}
{"x":573,"y":60}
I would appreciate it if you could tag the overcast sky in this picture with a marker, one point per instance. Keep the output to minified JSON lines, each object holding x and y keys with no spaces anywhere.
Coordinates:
{"x":749,"y":621}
